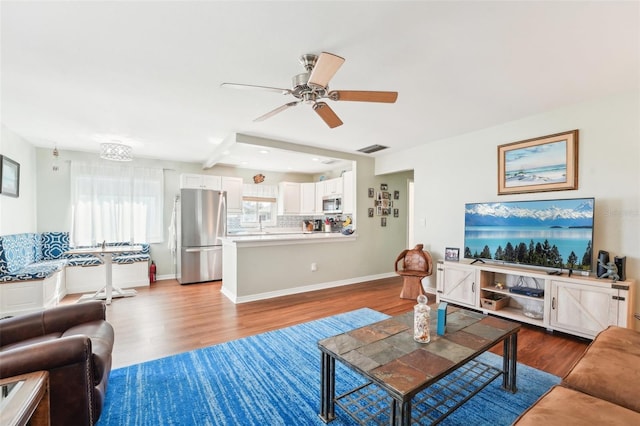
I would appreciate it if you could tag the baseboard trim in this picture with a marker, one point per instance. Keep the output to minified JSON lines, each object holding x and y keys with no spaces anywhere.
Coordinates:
{"x":303,"y":289}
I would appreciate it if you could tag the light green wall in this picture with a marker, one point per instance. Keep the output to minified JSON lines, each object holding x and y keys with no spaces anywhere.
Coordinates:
{"x":374,"y":252}
{"x":18,"y":215}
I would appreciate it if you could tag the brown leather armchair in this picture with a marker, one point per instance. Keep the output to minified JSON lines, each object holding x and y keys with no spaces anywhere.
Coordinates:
{"x":416,"y":264}
{"x":74,"y":343}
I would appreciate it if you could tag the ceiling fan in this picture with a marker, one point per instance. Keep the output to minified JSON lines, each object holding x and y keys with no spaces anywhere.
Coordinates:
{"x":312,"y":87}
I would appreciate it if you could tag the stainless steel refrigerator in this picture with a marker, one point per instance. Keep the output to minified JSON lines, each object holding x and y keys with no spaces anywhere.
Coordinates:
{"x":203,"y":222}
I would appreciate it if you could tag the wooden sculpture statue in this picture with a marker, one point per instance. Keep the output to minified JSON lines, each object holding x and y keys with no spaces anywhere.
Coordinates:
{"x":416,"y":264}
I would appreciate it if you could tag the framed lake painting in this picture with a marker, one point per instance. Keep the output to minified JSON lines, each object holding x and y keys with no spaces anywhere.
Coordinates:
{"x":547,"y":163}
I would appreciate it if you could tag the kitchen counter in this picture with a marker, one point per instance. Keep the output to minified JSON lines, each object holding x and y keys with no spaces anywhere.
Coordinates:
{"x":264,"y":265}
{"x":285,"y":237}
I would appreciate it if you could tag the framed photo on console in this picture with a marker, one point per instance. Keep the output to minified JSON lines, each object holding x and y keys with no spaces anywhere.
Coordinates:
{"x":452,"y":253}
{"x":547,"y":163}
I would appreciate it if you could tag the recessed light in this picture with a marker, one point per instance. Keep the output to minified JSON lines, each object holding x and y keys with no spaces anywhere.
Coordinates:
{"x":263,"y":151}
{"x":315,"y":159}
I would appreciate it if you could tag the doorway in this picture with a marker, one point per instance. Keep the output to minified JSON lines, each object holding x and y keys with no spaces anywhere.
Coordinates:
{"x":410,"y":214}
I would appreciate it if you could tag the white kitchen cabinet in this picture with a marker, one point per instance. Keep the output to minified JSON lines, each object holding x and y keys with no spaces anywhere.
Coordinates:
{"x":288,"y":198}
{"x":585,"y":309}
{"x":319,"y":194}
{"x":457,"y":284}
{"x":196,"y":181}
{"x":233,"y":187}
{"x":308,"y":198}
{"x":333,"y":186}
{"x":348,"y":193}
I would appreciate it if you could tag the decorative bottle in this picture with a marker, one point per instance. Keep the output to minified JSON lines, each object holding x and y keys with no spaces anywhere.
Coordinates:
{"x":421,"y":314}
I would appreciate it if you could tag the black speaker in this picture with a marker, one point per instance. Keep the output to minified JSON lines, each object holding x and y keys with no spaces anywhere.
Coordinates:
{"x":603,"y":259}
{"x":621,"y":264}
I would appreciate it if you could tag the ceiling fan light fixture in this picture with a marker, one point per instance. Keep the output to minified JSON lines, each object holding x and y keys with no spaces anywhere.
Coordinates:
{"x":116,"y":151}
{"x":312,"y":86}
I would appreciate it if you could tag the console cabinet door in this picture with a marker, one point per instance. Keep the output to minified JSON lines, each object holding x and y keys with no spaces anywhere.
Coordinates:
{"x":583,"y":309}
{"x":458,"y":284}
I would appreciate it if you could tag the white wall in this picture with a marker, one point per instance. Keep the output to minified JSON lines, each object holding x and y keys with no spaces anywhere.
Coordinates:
{"x":451,"y":172}
{"x":18,"y":215}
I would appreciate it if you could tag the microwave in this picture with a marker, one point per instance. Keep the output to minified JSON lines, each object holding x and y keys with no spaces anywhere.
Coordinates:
{"x":332,"y":204}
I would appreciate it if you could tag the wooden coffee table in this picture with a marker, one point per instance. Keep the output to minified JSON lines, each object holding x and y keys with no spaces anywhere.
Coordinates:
{"x":24,"y":400}
{"x":403,"y":376}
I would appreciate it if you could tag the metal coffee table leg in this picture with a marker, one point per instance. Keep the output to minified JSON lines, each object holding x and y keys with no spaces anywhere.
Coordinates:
{"x":327,"y":387}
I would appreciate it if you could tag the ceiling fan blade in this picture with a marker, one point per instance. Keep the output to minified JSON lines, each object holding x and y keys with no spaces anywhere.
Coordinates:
{"x":325,"y":68}
{"x":327,"y":114}
{"x":254,"y":87}
{"x":276,"y":111}
{"x":363,"y":96}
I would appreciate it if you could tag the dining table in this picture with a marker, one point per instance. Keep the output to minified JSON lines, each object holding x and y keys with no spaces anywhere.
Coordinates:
{"x":105,"y":254}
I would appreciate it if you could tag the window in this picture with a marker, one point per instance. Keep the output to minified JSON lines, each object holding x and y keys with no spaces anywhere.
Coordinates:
{"x":259,"y":205}
{"x":115,"y":203}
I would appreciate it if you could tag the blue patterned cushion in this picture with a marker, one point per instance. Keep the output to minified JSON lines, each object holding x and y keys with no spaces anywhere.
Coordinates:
{"x":37,"y":247}
{"x":84,"y":260}
{"x":131,"y":258}
{"x":120,"y":258}
{"x":54,"y":245}
{"x":145,"y":248}
{"x":3,"y":259}
{"x":31,"y":256}
{"x":35,"y":271}
{"x":19,"y":251}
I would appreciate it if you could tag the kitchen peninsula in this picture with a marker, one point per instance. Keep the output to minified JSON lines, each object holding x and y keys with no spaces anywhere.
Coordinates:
{"x":270,"y":264}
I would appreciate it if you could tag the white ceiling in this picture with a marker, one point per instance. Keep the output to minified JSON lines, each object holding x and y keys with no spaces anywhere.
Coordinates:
{"x":148,"y":73}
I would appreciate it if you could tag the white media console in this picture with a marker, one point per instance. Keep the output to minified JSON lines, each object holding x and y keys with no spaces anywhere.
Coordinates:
{"x":578,"y":305}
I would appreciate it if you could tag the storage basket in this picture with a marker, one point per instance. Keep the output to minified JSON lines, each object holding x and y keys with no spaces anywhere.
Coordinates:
{"x":494,"y":302}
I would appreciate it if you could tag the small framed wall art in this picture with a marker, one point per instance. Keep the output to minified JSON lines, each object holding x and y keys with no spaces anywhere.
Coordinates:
{"x":547,"y":163}
{"x":9,"y":177}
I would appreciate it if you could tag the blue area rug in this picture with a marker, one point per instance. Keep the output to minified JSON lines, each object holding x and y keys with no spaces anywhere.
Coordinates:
{"x":274,"y":379}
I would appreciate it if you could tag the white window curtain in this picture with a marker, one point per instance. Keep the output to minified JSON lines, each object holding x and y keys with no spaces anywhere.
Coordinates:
{"x":115,"y":203}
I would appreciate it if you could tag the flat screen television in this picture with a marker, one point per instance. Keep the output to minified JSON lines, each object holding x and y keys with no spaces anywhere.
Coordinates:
{"x":549,"y":233}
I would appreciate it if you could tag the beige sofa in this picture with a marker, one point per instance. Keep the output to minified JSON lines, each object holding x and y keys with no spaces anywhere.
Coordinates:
{"x":603,"y":387}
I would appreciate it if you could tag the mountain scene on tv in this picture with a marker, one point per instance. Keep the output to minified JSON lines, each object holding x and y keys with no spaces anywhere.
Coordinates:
{"x":552,"y":233}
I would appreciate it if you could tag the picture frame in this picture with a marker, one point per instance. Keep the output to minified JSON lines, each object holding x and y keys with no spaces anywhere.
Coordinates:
{"x":370,"y":212}
{"x":452,"y":254}
{"x":396,"y":212}
{"x":396,"y":195}
{"x":383,"y":221}
{"x":371,"y":192}
{"x":383,"y":187}
{"x":547,"y":163}
{"x":9,"y":177}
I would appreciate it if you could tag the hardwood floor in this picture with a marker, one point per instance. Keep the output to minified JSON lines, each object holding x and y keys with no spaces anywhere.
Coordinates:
{"x":168,"y":318}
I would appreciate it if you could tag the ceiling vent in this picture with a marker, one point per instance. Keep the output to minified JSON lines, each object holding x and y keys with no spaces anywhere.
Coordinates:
{"x":329,"y":161}
{"x":372,"y":148}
